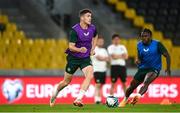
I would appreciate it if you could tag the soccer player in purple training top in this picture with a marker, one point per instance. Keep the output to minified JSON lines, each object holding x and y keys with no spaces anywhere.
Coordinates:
{"x":82,"y":42}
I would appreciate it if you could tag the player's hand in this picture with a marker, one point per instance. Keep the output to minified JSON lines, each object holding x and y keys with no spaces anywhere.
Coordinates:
{"x":108,"y":59}
{"x":124,"y":56}
{"x":83,"y":50}
{"x":114,"y":56}
{"x":168,"y":72}
{"x":137,"y":61}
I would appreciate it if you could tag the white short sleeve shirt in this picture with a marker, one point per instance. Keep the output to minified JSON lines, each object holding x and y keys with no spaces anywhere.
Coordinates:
{"x":99,"y":66}
{"x":118,"y":50}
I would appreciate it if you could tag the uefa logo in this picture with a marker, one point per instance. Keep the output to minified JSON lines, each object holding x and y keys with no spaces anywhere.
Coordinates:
{"x":12,"y":89}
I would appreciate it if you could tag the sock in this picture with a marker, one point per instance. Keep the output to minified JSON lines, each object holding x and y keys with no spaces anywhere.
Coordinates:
{"x":139,"y":95}
{"x":97,"y":99}
{"x":81,"y":94}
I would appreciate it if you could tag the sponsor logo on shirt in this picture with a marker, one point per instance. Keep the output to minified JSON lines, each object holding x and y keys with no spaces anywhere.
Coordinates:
{"x":86,"y":34}
{"x":146,"y":50}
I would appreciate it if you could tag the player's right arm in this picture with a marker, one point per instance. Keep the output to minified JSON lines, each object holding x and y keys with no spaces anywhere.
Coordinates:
{"x":112,"y":55}
{"x":73,"y":48}
{"x":117,"y":56}
{"x":103,"y":56}
{"x":123,"y":56}
{"x":137,"y":59}
{"x":72,"y":43}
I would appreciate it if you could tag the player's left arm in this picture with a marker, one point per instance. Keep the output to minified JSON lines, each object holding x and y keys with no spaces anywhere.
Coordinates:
{"x":165,"y":53}
{"x":103,"y":57}
{"x":94,"y":41}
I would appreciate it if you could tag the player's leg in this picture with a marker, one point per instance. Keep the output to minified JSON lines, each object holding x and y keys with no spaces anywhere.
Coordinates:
{"x":97,"y":96}
{"x":67,"y":79}
{"x":149,"y":78}
{"x":137,"y":80}
{"x":114,"y":77}
{"x":112,"y":88}
{"x":133,"y":85}
{"x":98,"y":80}
{"x":123,"y":76}
{"x":88,"y":72}
{"x":124,"y":87}
{"x":87,"y":68}
{"x":71,"y":67}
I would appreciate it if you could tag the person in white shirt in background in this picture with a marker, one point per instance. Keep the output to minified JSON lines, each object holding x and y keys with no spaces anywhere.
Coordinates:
{"x":99,"y":61}
{"x":118,"y":54}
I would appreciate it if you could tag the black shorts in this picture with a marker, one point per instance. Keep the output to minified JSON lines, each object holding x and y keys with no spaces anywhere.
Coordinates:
{"x":118,"y":71}
{"x":73,"y":63}
{"x":100,"y":77}
{"x":141,"y":73}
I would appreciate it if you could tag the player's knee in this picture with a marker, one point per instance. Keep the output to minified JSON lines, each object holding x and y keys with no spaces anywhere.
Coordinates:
{"x":66,"y":83}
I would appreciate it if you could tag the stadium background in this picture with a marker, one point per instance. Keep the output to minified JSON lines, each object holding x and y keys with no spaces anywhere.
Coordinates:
{"x":34,"y":36}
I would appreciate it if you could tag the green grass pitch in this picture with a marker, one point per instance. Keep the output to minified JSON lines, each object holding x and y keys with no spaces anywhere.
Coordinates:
{"x":90,"y":108}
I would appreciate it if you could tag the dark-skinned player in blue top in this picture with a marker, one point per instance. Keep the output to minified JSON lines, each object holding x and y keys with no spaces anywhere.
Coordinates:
{"x":149,"y":65}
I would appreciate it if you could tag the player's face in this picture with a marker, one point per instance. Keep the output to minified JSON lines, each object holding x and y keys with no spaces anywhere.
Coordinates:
{"x":86,"y":18}
{"x":116,"y":41}
{"x":100,"y":42}
{"x":145,"y":38}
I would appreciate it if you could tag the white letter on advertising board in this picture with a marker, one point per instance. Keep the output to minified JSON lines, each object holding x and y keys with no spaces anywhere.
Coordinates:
{"x":173,"y":90}
{"x":30,"y":91}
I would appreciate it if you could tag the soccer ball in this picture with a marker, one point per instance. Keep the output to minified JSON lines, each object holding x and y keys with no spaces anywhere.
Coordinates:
{"x":112,"y":101}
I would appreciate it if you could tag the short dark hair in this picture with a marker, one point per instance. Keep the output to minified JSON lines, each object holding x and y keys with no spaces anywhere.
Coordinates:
{"x":146,"y":30}
{"x":100,"y":37}
{"x":115,"y":35}
{"x":84,"y":11}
